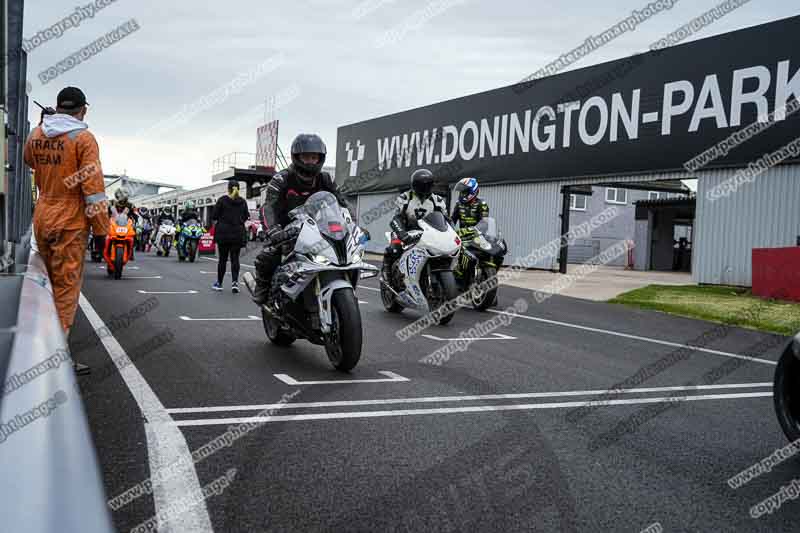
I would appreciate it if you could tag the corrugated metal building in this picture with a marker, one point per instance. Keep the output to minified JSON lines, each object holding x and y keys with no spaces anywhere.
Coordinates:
{"x":762,"y":214}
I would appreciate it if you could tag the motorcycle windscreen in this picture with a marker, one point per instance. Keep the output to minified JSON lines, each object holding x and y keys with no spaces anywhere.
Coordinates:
{"x":121,"y":219}
{"x":436,"y":220}
{"x":325,"y":210}
{"x":487,"y":227}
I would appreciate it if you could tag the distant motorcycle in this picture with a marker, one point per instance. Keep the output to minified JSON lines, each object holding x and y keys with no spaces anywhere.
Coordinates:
{"x":119,"y":243}
{"x":786,"y":390}
{"x":164,"y":238}
{"x":188,"y":240}
{"x":317,"y":281}
{"x":482,"y":251}
{"x":144,"y":229}
{"x":422,"y":278}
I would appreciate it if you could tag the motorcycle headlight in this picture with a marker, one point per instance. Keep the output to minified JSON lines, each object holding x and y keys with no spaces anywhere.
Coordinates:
{"x":483,"y":243}
{"x":321,"y":260}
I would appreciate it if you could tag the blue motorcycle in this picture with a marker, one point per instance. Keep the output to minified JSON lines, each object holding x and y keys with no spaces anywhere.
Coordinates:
{"x":188,"y":240}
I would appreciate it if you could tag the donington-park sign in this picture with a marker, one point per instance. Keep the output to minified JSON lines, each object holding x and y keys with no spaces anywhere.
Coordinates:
{"x":649,"y":112}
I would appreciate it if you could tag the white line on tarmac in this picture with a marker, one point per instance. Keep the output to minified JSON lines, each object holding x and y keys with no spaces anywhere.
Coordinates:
{"x":369,"y":288}
{"x":166,"y":292}
{"x":478,"y":397}
{"x":362,"y":302}
{"x":494,"y":337}
{"x":142,"y":277}
{"x":249,"y":317}
{"x":240,"y":264}
{"x":126,"y":268}
{"x":391,"y":377}
{"x":453,"y":410}
{"x":636,"y":337}
{"x":166,"y":446}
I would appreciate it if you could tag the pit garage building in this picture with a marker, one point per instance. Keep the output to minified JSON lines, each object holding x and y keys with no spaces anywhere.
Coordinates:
{"x":723,"y":110}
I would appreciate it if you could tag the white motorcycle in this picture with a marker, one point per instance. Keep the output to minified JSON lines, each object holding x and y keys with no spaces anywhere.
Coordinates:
{"x":422,"y":278}
{"x":317,"y":280}
{"x":164,"y":238}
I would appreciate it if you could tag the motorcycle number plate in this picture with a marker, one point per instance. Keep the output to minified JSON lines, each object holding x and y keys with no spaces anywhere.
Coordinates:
{"x":122,"y":230}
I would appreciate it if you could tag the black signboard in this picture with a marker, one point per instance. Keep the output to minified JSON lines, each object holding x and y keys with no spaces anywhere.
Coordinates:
{"x":650,"y":112}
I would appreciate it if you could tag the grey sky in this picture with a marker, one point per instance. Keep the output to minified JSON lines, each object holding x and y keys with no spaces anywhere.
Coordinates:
{"x":186,"y":49}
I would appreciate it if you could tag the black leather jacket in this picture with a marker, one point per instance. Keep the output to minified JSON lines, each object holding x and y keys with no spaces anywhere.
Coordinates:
{"x":285,"y":192}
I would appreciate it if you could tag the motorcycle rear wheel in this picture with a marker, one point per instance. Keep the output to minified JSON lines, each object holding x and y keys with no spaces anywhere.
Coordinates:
{"x":192,"y":251}
{"x":344,"y":346}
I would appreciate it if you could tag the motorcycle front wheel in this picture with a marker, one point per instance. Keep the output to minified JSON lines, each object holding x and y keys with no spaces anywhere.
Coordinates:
{"x":483,"y":300}
{"x":344,"y":343}
{"x":444,"y":290}
{"x":119,"y":252}
{"x":786,"y":393}
{"x":192,"y":251}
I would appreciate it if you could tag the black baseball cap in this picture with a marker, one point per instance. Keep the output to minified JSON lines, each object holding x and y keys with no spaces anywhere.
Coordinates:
{"x":71,"y":99}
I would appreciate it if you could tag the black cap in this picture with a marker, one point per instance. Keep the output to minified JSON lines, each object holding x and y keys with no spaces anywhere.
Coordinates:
{"x":70,"y":99}
{"x":232,"y":184}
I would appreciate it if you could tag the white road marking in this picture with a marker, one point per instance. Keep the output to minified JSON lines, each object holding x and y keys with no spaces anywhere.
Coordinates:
{"x":391,"y":377}
{"x":635,"y":337}
{"x":166,"y":292}
{"x":142,"y":277}
{"x":477,"y":397}
{"x":240,"y":264}
{"x":369,"y":288}
{"x":166,"y":446}
{"x":205,"y":272}
{"x":249,"y":317}
{"x":126,"y":268}
{"x":494,"y":337}
{"x":362,"y":302}
{"x":453,"y":410}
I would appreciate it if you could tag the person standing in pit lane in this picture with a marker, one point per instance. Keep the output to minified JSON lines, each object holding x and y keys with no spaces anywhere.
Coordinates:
{"x":230,"y":214}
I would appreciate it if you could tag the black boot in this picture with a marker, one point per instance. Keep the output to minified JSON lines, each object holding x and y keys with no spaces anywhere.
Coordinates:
{"x":261,"y":293}
{"x":386,"y":271}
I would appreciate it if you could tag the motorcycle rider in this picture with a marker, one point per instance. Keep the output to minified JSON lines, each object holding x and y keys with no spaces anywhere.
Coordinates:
{"x":189,"y":212}
{"x":412,"y":206}
{"x":288,"y":189}
{"x":163,"y":216}
{"x":147,"y":226}
{"x":121,"y":203}
{"x":470,"y":209}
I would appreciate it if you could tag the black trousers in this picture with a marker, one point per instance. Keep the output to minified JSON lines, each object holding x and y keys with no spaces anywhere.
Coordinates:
{"x":225,"y":250}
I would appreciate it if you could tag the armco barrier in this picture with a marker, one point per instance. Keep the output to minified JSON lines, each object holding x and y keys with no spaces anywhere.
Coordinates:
{"x":50,"y":472}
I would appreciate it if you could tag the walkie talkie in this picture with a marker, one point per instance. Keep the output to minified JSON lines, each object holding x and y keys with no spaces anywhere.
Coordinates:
{"x":45,"y":110}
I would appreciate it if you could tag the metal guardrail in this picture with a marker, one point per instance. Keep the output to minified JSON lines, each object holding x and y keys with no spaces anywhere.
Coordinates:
{"x":52,"y":479}
{"x":233,"y":160}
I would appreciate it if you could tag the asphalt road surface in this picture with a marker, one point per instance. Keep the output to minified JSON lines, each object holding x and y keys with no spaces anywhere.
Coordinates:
{"x":492,"y":439}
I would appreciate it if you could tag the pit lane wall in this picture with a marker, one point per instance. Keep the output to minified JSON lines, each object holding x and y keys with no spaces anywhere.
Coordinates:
{"x":52,"y":478}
